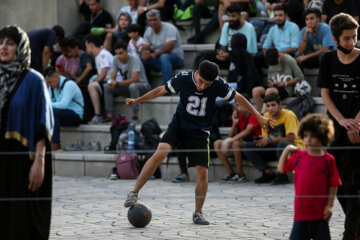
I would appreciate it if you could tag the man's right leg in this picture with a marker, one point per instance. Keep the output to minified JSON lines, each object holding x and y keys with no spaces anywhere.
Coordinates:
{"x":95,"y":96}
{"x":257,"y":94}
{"x":148,"y":170}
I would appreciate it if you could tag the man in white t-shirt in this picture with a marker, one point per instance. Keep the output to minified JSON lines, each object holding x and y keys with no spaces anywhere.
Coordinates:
{"x":103,"y":62}
{"x":164,"y":38}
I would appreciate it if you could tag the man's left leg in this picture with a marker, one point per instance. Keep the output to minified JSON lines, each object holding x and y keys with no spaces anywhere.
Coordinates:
{"x":200,"y":194}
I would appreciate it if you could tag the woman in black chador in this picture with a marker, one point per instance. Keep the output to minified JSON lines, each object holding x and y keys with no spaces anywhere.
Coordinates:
{"x":26,"y":123}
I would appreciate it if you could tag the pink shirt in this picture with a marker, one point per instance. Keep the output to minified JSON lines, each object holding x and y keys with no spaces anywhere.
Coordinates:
{"x":313,"y":175}
{"x":68,"y":64}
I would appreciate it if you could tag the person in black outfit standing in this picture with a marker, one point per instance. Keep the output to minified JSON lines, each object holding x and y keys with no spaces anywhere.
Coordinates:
{"x":339,"y":80}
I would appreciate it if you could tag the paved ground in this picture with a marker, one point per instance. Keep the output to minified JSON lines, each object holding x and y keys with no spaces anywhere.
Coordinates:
{"x":91,"y":208}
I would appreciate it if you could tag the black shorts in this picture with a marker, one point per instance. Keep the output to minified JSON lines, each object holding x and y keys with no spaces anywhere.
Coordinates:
{"x":176,"y":138}
{"x":282,"y":92}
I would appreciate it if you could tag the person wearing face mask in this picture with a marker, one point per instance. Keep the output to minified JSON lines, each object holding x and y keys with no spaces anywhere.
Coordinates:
{"x":26,"y":126}
{"x":339,"y":80}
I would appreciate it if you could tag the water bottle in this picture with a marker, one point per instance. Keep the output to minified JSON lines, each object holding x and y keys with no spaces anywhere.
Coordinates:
{"x":131,"y":138}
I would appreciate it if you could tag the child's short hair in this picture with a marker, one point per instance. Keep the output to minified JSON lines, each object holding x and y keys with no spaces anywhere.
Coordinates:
{"x":208,"y":70}
{"x":133,"y":28}
{"x":121,"y":45}
{"x":272,"y":97}
{"x":319,"y":125}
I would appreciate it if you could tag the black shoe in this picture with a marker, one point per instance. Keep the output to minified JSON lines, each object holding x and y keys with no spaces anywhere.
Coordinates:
{"x":265,"y":178}
{"x":280,"y":179}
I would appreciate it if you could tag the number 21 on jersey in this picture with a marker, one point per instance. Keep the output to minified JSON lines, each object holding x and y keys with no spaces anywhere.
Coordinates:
{"x":196,"y":106}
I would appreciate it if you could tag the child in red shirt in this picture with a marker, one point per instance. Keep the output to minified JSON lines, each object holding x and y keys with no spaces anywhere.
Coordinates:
{"x":316,"y":178}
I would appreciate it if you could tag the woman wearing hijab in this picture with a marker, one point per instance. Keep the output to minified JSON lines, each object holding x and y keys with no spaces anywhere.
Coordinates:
{"x":26,"y":122}
{"x":242,"y":68}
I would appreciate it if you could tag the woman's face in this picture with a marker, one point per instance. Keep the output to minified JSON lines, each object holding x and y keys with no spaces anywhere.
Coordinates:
{"x":123,"y":22}
{"x":8,"y":50}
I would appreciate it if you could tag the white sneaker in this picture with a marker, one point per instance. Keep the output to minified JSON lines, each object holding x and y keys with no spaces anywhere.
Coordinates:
{"x":238,"y":178}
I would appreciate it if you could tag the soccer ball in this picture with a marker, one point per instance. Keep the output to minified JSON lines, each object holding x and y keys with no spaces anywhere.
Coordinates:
{"x":316,"y":4}
{"x":302,"y":88}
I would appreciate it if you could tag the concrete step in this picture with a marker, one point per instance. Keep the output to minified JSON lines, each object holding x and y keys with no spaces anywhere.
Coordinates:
{"x":98,"y":164}
{"x":189,"y":31}
{"x":161,"y":108}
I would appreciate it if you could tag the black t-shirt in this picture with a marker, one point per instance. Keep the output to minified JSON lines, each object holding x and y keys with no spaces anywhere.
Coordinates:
{"x":295,"y":11}
{"x":196,"y":109}
{"x":84,"y":60}
{"x":102,"y":19}
{"x":343,"y":82}
{"x":330,"y":8}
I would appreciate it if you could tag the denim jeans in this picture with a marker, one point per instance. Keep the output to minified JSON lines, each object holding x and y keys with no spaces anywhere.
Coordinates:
{"x":166,"y":63}
{"x":65,"y":118}
{"x":259,"y":156}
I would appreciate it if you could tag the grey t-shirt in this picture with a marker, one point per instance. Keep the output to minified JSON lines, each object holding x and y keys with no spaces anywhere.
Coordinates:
{"x":286,"y":70}
{"x":167,"y":33}
{"x":126,"y":69}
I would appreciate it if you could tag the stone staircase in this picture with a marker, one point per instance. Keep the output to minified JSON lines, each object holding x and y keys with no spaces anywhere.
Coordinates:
{"x":100,"y":164}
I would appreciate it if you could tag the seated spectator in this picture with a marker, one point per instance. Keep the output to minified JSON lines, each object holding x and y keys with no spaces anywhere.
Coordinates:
{"x":282,"y":133}
{"x":315,"y":39}
{"x":132,"y":9}
{"x":136,"y":41}
{"x":164,"y":38}
{"x":333,"y":7}
{"x":283,"y":74}
{"x":103,"y":62}
{"x":65,"y":63}
{"x":244,"y":128}
{"x":118,"y":33}
{"x":41,"y":43}
{"x":224,"y":4}
{"x":133,"y":85}
{"x":82,"y":74}
{"x":284,"y":36}
{"x":235,"y":25}
{"x":94,"y":16}
{"x":201,"y":10}
{"x":242,"y":68}
{"x":165,"y":7}
{"x":67,"y":102}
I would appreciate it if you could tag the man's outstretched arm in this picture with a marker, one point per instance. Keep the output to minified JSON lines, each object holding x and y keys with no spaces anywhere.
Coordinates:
{"x":157,"y":92}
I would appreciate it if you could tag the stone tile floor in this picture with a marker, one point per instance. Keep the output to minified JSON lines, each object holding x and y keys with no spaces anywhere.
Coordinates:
{"x":92,"y":208}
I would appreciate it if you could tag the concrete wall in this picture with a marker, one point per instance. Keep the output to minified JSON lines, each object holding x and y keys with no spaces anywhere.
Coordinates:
{"x":33,"y":14}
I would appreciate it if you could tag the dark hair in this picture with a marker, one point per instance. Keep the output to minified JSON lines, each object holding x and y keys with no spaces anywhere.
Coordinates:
{"x":133,"y":28}
{"x":341,"y":22}
{"x":125,"y":14}
{"x":238,"y":40}
{"x":272,"y":56}
{"x":59,"y":31}
{"x":272,"y":97}
{"x":120,"y":45}
{"x":73,"y":42}
{"x":49,"y":71}
{"x":92,"y":38}
{"x":314,"y":11}
{"x":11,"y":33}
{"x":281,"y":7}
{"x":64,"y":42}
{"x":234,"y":7}
{"x":319,"y":125}
{"x":208,"y":70}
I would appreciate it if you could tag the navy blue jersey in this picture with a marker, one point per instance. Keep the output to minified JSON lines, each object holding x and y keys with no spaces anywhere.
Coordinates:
{"x":196,"y":109}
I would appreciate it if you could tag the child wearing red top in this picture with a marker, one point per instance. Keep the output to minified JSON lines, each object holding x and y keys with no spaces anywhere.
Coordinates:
{"x":244,"y":128}
{"x":316,"y":178}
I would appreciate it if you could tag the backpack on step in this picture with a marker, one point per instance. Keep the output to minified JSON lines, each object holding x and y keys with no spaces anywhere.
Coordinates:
{"x":127,"y":165}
